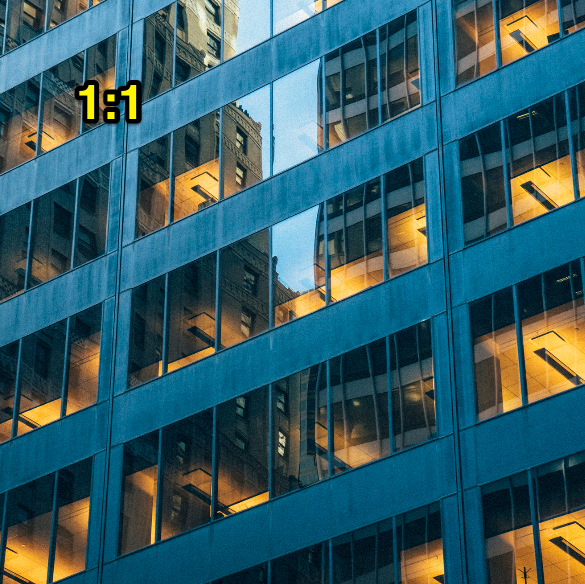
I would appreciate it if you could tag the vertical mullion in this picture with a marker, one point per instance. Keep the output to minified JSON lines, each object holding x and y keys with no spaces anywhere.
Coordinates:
{"x":497,"y":39}
{"x":84,"y":77}
{"x":400,"y":389}
{"x":379,"y":75}
{"x":217,"y":300}
{"x":16,"y":401}
{"x":53,"y":535}
{"x":535,"y":527}
{"x":222,"y":33}
{"x":395,"y":549}
{"x":65,"y":380}
{"x":330,"y":443}
{"x":389,"y":386}
{"x":47,"y":18}
{"x":3,"y":49}
{"x":3,"y":528}
{"x":574,"y":170}
{"x":75,"y":221}
{"x":366,"y":80}
{"x":40,"y":110}
{"x":365,"y":233}
{"x":170,"y":204}
{"x":342,"y":93}
{"x":271,"y":290}
{"x":330,"y":558}
{"x":165,"y":331}
{"x":175,"y":43}
{"x":520,"y":344}
{"x":271,"y":436}
{"x":405,"y":59}
{"x":29,"y":246}
{"x":559,"y":17}
{"x":220,"y":155}
{"x":159,"y":488}
{"x":582,"y":265}
{"x":271,"y":129}
{"x":324,"y":119}
{"x":384,"y":212}
{"x":506,"y":165}
{"x":214,"y":447}
{"x":326,"y":254}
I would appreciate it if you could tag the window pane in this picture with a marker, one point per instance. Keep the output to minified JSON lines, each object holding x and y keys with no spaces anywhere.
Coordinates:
{"x":385,"y":558}
{"x":309,"y":566}
{"x":421,"y":546}
{"x":255,"y":575}
{"x":359,"y":397}
{"x":61,"y":111}
{"x":84,"y":358}
{"x":246,"y":25}
{"x":242,"y":450}
{"x":73,"y":491}
{"x":139,"y":483}
{"x":198,"y":38}
{"x":157,"y":59}
{"x":8,"y":367}
{"x":61,"y":10}
{"x":526,"y":26}
{"x":573,"y":12}
{"x":28,"y":530}
{"x":413,"y":386}
{"x":354,"y":240}
{"x":244,"y":289}
{"x":300,"y":429}
{"x":298,"y":132}
{"x":196,"y":165}
{"x":507,"y":527}
{"x":92,"y":215}
{"x":299,"y":286}
{"x":246,"y":141}
{"x":577,"y":105}
{"x":146,"y":332}
{"x":52,"y":234}
{"x":575,"y":477}
{"x":14,"y":231}
{"x":26,"y":20}
{"x":495,"y":354}
{"x":342,"y":564}
{"x":540,"y":164}
{"x":154,"y":161}
{"x":186,"y":472}
{"x":406,"y":218}
{"x":101,"y":67}
{"x":2,"y":18}
{"x":19,"y":111}
{"x":191,"y":312}
{"x":551,"y":308}
{"x":475,"y":46}
{"x":287,"y":13}
{"x":399,"y":66}
{"x":482,"y":183}
{"x":41,"y":377}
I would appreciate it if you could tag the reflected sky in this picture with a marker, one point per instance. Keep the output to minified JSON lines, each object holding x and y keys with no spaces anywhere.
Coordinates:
{"x":296,"y":117}
{"x":253,"y":24}
{"x":293,"y":243}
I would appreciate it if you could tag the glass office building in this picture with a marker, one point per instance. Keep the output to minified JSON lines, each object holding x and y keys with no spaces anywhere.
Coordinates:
{"x":318,"y":318}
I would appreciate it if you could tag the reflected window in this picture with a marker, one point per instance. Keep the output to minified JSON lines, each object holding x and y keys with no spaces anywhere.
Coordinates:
{"x":573,"y":13}
{"x":61,"y":10}
{"x":8,"y":369}
{"x":242,"y":442}
{"x":406,"y":218}
{"x":244,"y":313}
{"x":26,"y":20}
{"x":301,"y":430}
{"x":298,"y":270}
{"x":14,"y":237}
{"x":157,"y":59}
{"x":309,"y":566}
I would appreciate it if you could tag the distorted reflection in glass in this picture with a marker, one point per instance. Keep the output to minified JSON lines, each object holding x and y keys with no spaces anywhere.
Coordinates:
{"x":577,"y":107}
{"x":354,"y":240}
{"x":186,"y":474}
{"x":152,"y":205}
{"x":495,"y":354}
{"x":19,"y":108}
{"x":540,"y":164}
{"x":300,"y":430}
{"x":351,"y":85}
{"x":92,"y":215}
{"x":139,"y":486}
{"x":297,"y":118}
{"x":14,"y":235}
{"x":244,"y":289}
{"x":146,"y":332}
{"x":72,"y":517}
{"x":482,"y":184}
{"x":157,"y":58}
{"x":526,"y":26}
{"x":26,"y":20}
{"x":83,"y":358}
{"x":196,"y":166}
{"x":247,"y":23}
{"x":287,"y":13}
{"x":61,"y":111}
{"x":52,"y":234}
{"x":255,"y":575}
{"x":242,"y":451}
{"x":475,"y":45}
{"x":507,"y":525}
{"x":101,"y":67}
{"x":359,"y":398}
{"x":298,"y":266}
{"x":553,"y":330}
{"x":246,"y":141}
{"x":191,"y":301}
{"x":61,"y":10}
{"x":399,"y":66}
{"x":309,"y":566}
{"x":41,"y":377}
{"x":8,"y":368}
{"x":406,"y":218}
{"x":413,"y":386}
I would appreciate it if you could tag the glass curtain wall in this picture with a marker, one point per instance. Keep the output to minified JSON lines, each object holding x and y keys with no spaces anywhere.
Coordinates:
{"x":57,"y":369}
{"x":527,"y":342}
{"x":48,"y":236}
{"x":51,"y":94}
